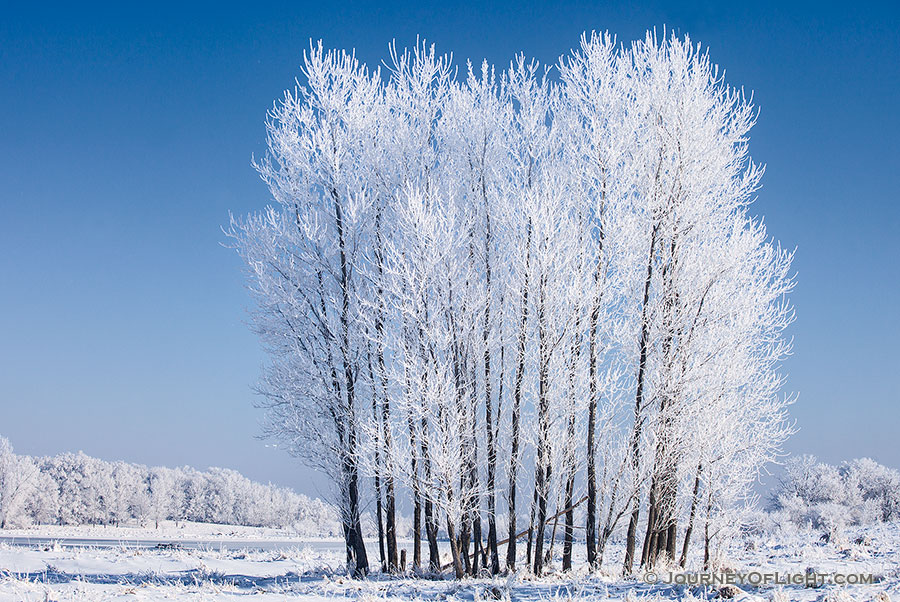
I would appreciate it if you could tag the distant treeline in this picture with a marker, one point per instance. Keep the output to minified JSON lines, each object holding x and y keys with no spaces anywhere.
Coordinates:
{"x":76,"y":489}
{"x":823,"y":496}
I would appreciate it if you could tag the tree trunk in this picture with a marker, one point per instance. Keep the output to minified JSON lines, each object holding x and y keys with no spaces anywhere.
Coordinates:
{"x":391,"y":525}
{"x":649,"y":542}
{"x":476,"y":542}
{"x":517,"y":402}
{"x":474,"y":506}
{"x":706,"y":535}
{"x":548,"y":555}
{"x":690,"y":526}
{"x":416,"y":481}
{"x":638,"y":405}
{"x":390,"y":505}
{"x":569,"y":531}
{"x":351,"y":472}
{"x":431,"y":532}
{"x":378,"y":512}
{"x":417,"y":532}
{"x":542,"y":464}
{"x":541,"y":521}
{"x":671,"y":536}
{"x":591,"y":520}
{"x":488,"y":403}
{"x":434,"y":559}
{"x":594,"y":392}
{"x":356,"y":548}
{"x":454,"y":551}
{"x":417,"y":496}
{"x":378,"y":467}
{"x":529,"y":547}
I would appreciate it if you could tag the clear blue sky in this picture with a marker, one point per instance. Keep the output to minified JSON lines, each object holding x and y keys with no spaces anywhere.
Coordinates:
{"x":126,"y":135}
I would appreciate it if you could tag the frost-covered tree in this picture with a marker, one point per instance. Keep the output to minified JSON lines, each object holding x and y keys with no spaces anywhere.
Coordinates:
{"x":514,"y":287}
{"x":408,"y":172}
{"x":695,"y":182}
{"x":605,"y":122}
{"x":18,"y":478}
{"x":163,"y":496}
{"x":77,"y":489}
{"x":305,"y":259}
{"x":822,"y":496}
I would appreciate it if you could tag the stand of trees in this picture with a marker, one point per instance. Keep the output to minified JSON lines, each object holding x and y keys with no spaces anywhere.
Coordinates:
{"x":506,"y":295}
{"x":822,"y":496}
{"x":76,"y":489}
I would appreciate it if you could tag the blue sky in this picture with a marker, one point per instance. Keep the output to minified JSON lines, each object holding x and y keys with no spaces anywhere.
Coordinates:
{"x":126,"y":135}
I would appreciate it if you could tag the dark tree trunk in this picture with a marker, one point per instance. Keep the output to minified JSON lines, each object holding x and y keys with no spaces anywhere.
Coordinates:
{"x":488,"y":402}
{"x":662,"y":540}
{"x":416,"y":482}
{"x":390,"y":505}
{"x":356,"y":548}
{"x":454,"y":551}
{"x":476,"y":543}
{"x":391,"y":525}
{"x":690,"y":525}
{"x":541,"y":522}
{"x":431,"y":532}
{"x":417,"y":532}
{"x":671,"y":536}
{"x":661,"y":530}
{"x":417,"y":496}
{"x":649,"y":542}
{"x":706,"y":535}
{"x":464,"y":545}
{"x":378,"y":509}
{"x":569,"y":528}
{"x":473,"y":503}
{"x":529,"y":546}
{"x":594,"y":391}
{"x":517,"y":402}
{"x":380,"y":527}
{"x":639,"y":403}
{"x":569,"y":532}
{"x":591,"y":520}
{"x":351,"y":472}
{"x":542,"y":464}
{"x":378,"y":491}
{"x":431,"y":529}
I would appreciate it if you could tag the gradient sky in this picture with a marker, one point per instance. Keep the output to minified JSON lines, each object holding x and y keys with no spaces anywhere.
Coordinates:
{"x":126,"y":135}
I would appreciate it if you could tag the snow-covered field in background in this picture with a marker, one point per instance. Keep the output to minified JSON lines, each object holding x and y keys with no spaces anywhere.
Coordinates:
{"x":310,"y":572}
{"x":167,"y":529}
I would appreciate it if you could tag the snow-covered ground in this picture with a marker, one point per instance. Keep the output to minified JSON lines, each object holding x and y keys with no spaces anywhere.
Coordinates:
{"x":310,"y":572}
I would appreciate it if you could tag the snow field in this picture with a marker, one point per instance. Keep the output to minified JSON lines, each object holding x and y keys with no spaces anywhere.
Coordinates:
{"x":303,"y":573}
